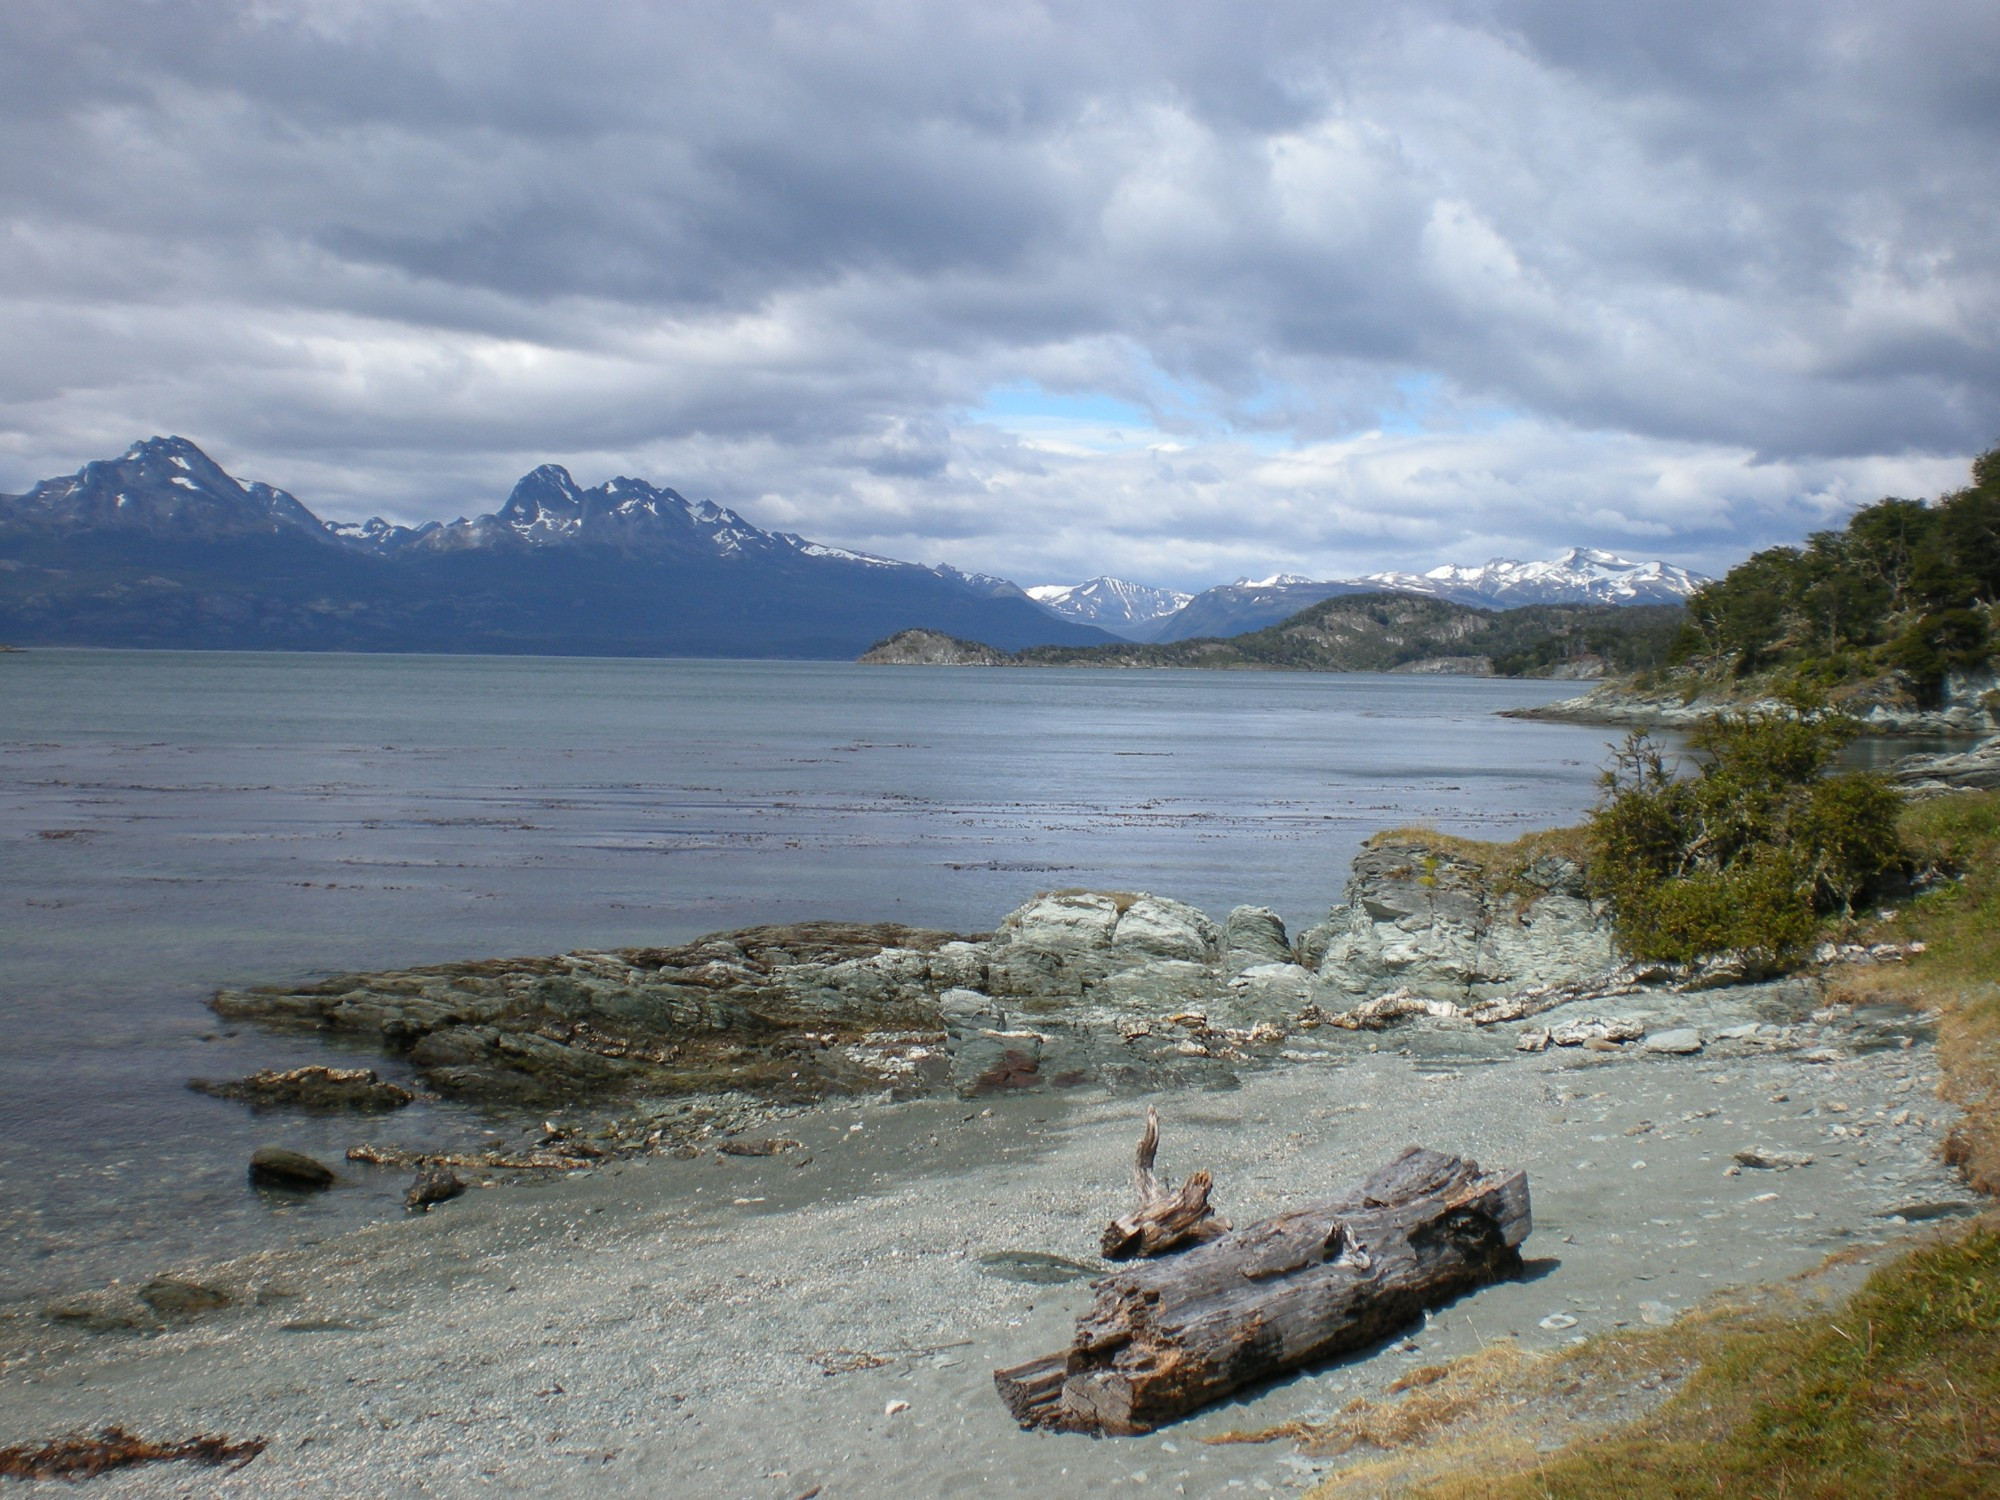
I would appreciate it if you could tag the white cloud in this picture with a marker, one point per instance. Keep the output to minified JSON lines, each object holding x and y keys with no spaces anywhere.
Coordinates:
{"x":1394,"y":286}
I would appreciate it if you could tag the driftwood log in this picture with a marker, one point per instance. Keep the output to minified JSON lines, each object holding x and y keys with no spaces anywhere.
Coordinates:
{"x":1167,"y":1217}
{"x":1168,"y":1336}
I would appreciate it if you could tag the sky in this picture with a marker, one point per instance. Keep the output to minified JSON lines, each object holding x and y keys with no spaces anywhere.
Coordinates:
{"x":1182,"y":291}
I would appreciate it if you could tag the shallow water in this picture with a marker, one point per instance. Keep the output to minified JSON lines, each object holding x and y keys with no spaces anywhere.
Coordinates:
{"x":171,"y":822}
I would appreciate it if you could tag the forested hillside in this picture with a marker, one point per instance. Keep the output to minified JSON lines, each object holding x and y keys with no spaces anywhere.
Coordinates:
{"x":1371,"y":633}
{"x":1906,"y":589}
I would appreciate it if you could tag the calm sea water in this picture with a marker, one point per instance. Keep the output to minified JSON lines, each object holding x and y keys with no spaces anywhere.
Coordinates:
{"x":172,"y":822}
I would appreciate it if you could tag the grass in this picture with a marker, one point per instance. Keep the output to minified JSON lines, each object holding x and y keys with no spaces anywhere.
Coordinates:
{"x":1959,"y":973}
{"x":1895,"y":1393}
{"x":1501,"y":868}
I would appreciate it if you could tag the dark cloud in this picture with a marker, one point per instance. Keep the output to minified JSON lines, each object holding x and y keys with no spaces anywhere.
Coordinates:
{"x":1393,"y":284}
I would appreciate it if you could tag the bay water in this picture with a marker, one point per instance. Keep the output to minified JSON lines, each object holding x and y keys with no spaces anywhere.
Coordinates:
{"x":174,"y":822}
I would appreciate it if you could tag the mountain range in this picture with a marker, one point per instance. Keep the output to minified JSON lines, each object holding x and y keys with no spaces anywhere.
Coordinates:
{"x":1113,"y":603}
{"x":1368,"y":632}
{"x":1579,"y":576}
{"x":161,"y":547}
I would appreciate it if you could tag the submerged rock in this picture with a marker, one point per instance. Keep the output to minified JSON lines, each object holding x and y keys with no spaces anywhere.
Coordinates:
{"x":113,"y":1309}
{"x":310,"y":1088}
{"x":435,"y":1183}
{"x":292,"y":1171}
{"x":178,"y":1299}
{"x":769,"y":1009}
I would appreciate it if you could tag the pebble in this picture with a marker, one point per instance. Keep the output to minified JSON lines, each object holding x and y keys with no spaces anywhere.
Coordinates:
{"x":1773,"y":1161}
{"x":1681,"y":1042}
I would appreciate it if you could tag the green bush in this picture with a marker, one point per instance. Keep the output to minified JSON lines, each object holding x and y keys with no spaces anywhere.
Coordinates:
{"x":1748,"y":853}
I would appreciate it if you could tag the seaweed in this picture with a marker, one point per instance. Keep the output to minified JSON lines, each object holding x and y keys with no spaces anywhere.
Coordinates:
{"x":82,"y":1456}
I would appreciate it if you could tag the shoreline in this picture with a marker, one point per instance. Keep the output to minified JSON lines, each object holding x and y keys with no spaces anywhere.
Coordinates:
{"x":739,"y":1325}
{"x":1968,"y":712}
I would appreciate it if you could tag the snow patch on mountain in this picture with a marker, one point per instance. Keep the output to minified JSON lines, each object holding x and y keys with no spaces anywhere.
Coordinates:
{"x":1112,"y":603}
{"x":1582,"y":575}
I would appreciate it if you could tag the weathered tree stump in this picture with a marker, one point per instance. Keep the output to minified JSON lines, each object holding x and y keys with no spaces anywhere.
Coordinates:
{"x":1168,"y":1336}
{"x":1166,"y":1218}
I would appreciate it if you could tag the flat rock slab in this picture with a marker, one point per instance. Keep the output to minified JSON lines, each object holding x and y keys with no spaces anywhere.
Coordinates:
{"x":1681,"y":1041}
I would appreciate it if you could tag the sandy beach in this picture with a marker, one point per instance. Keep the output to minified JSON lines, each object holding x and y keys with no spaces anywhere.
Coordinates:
{"x":749,"y":1326}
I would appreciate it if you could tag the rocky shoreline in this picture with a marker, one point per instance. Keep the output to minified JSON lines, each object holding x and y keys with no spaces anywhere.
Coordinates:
{"x":1970,"y":705}
{"x":843,"y":1171}
{"x":636,"y":1326}
{"x":709,"y":1045}
{"x":1129,"y":989}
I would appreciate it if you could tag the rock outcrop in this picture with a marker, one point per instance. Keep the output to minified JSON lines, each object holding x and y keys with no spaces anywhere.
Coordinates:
{"x":933,"y":648}
{"x":1127,"y":988}
{"x":318,"y":1089}
{"x":1974,"y":770}
{"x":1422,"y":918}
{"x":1969,"y":704}
{"x":794,"y":1012}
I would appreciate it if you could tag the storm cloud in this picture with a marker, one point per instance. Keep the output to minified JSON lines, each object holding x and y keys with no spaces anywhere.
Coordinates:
{"x":1181,"y":292}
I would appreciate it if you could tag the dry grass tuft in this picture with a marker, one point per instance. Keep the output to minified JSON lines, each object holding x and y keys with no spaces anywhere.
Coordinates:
{"x":1502,"y":868}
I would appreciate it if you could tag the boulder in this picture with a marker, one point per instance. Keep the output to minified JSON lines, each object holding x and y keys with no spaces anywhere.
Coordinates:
{"x":1158,"y":927}
{"x":435,"y":1183}
{"x":292,"y":1171}
{"x":1254,"y":935}
{"x":1063,"y":921}
{"x":1423,"y":917}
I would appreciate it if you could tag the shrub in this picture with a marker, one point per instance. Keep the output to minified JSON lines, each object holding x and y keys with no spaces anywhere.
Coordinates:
{"x":1748,"y":853}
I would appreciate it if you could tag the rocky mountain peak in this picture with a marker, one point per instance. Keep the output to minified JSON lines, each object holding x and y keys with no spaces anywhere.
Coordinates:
{"x":164,"y":485}
{"x":1113,"y":603}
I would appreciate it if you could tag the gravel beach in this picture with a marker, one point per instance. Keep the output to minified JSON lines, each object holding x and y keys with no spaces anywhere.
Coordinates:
{"x":751,"y":1326}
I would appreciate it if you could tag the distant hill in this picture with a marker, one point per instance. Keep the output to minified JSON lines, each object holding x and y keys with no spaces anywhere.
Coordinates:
{"x":161,"y":547}
{"x":1381,"y":632}
{"x":1578,"y":576}
{"x":1232,"y":608}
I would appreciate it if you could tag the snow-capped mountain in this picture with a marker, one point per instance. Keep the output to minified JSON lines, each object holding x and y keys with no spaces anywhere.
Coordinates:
{"x":548,"y":509}
{"x":161,"y":547}
{"x":1115,"y":604}
{"x":1582,"y":575}
{"x":1247,"y":604}
{"x":163,"y":487}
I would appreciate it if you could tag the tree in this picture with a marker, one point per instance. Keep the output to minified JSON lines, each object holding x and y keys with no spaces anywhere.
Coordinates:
{"x":1749,"y":852}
